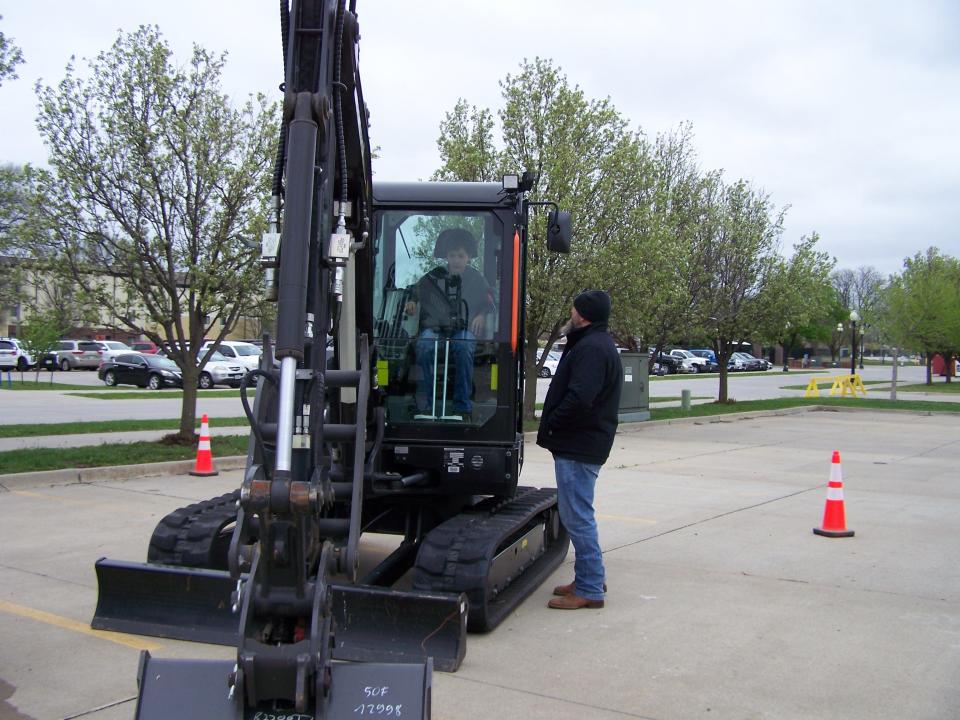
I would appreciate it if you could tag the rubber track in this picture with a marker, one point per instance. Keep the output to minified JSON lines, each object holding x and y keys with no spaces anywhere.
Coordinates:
{"x":187,"y":536}
{"x":456,"y":555}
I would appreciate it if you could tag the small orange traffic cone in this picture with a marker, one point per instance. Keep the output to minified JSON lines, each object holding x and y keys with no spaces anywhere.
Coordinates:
{"x":834,"y":517}
{"x":204,"y":464}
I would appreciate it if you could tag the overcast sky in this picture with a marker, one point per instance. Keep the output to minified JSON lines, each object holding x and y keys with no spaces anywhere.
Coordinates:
{"x":848,"y":112}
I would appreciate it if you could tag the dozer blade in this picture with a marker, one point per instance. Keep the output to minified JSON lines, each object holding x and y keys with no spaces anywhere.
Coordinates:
{"x":372,"y":624}
{"x":198,"y":690}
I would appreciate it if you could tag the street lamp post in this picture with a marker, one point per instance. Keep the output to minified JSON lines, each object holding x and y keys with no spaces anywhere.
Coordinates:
{"x":863,"y":334}
{"x":786,"y":336}
{"x":854,"y":317}
{"x":840,"y":345}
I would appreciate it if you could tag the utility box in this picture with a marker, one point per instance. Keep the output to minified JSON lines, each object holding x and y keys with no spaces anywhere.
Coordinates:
{"x":635,"y":396}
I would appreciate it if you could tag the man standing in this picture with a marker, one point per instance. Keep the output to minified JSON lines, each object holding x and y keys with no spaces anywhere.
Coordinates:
{"x":578,"y":423}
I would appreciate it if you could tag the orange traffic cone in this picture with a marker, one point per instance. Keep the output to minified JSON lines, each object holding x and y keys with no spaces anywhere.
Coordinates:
{"x":834,"y":517}
{"x":204,"y":464}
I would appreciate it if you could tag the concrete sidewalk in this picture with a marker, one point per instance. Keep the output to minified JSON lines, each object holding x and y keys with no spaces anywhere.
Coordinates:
{"x":723,"y":604}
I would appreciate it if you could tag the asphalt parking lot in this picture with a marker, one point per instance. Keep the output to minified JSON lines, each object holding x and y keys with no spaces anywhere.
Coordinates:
{"x":722,"y":602}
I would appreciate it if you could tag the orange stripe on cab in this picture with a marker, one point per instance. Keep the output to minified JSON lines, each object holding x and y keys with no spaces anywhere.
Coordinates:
{"x":515,"y":316}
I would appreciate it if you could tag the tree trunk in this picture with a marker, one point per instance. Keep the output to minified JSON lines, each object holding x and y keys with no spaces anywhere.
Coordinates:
{"x":188,"y":411}
{"x":530,"y":381}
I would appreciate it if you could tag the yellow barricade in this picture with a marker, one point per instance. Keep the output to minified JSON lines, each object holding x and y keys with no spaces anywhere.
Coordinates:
{"x":813,"y":390}
{"x":843,"y":384}
{"x":857,"y":385}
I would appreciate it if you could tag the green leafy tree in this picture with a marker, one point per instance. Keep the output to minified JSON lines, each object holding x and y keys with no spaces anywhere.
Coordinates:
{"x":584,"y":157}
{"x":657,"y":302}
{"x":467,"y":148}
{"x":15,"y":184}
{"x":740,"y":260}
{"x":156,"y":189}
{"x":797,"y":294}
{"x":10,"y":57}
{"x":923,"y":306}
{"x":39,"y":335}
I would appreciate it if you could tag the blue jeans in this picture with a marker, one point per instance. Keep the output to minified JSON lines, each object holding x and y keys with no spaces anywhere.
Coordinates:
{"x":463,"y":343}
{"x":575,"y":485}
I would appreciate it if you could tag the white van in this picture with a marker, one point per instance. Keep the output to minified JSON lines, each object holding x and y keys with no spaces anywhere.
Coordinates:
{"x":243,"y":353}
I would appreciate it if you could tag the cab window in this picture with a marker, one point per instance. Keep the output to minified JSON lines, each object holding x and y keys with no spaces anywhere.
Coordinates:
{"x":437,"y":310}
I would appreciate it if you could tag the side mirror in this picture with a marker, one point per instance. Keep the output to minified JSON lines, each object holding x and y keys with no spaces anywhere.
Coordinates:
{"x":558,"y":231}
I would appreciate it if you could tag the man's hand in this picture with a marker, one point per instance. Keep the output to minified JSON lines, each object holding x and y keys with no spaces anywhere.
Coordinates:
{"x":476,"y":325}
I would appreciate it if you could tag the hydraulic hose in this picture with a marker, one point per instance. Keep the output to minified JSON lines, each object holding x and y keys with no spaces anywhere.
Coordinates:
{"x":254,"y":425}
{"x":338,"y":109}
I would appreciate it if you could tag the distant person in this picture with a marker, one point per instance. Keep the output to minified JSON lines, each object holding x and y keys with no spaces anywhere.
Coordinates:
{"x":453,"y":303}
{"x":577,"y":426}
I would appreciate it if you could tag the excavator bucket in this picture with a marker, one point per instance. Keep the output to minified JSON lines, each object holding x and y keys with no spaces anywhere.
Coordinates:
{"x":372,"y":624}
{"x":186,"y":689}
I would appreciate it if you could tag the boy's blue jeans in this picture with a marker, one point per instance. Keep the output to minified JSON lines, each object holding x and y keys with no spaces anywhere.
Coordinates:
{"x":462,"y":346}
{"x":575,"y":486}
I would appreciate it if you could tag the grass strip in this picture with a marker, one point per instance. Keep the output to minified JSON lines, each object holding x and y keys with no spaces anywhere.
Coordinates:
{"x":154,"y":394}
{"x":36,"y":459}
{"x":732,"y":375}
{"x":677,"y":398}
{"x":710,"y":409}
{"x":33,"y":459}
{"x":105,"y":426}
{"x":940,"y":387}
{"x":42,"y":385}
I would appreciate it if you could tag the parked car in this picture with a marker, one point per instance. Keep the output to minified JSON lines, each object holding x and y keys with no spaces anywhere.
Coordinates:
{"x":13,"y":356}
{"x":549,"y":368}
{"x":243,"y":353}
{"x":671,"y":364}
{"x":746,"y":361}
{"x":146,"y":347}
{"x":691,"y":363}
{"x":220,"y":370}
{"x":72,"y":354}
{"x":113,"y":348}
{"x":142,"y":370}
{"x":711,"y":364}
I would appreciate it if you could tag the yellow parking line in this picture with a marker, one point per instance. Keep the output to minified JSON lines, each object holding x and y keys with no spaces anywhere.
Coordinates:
{"x":627,"y":518}
{"x":59,"y":621}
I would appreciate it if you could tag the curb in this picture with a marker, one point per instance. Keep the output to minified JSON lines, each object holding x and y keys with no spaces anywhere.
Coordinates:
{"x":73,"y":476}
{"x":70,"y":476}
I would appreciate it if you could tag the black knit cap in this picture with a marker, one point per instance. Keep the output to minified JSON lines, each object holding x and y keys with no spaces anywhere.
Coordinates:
{"x":593,"y":305}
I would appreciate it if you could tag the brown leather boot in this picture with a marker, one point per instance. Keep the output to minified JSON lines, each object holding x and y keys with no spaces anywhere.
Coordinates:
{"x":570,"y":589}
{"x":574,"y":602}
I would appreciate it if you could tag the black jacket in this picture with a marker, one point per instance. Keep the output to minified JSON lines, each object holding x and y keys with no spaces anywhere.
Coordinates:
{"x":579,"y":417}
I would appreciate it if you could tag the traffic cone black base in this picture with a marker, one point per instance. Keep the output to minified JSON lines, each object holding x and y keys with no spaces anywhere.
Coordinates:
{"x":833,"y":533}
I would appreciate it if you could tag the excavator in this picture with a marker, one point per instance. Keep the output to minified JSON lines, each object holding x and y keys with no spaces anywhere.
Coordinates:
{"x":380,"y":514}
